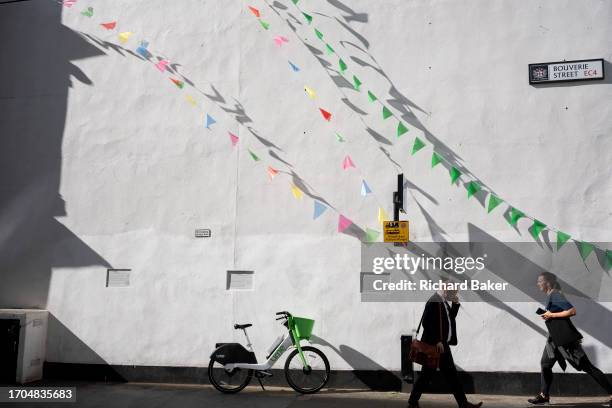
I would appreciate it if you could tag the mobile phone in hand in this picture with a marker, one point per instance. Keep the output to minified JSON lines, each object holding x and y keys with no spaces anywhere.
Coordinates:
{"x":540,"y":311}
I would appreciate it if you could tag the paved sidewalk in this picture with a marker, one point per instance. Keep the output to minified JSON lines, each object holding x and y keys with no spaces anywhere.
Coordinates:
{"x":136,"y":395}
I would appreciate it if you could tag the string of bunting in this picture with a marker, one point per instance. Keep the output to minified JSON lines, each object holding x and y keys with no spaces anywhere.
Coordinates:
{"x":143,"y":50}
{"x":472,"y":186}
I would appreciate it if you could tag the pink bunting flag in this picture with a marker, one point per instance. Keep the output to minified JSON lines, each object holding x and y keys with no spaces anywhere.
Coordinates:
{"x":343,"y":223}
{"x":279,"y":40}
{"x":233,"y":138}
{"x":272,"y":172}
{"x":68,"y":3}
{"x":347,"y":162}
{"x":161,"y":65}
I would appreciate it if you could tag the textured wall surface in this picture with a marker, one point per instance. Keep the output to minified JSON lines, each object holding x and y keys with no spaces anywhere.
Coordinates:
{"x":105,"y":164}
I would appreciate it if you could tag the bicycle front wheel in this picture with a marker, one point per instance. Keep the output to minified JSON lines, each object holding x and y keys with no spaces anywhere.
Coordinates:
{"x":228,"y":382}
{"x":310,"y":379}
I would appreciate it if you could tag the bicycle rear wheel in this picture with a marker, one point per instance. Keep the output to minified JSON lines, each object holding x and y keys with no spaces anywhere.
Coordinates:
{"x":228,"y":382}
{"x":311,"y":379}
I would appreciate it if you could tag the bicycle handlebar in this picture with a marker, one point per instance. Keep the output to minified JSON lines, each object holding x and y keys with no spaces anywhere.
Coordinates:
{"x":284,"y":313}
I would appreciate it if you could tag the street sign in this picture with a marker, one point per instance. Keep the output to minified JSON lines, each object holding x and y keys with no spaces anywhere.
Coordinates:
{"x":395,"y":231}
{"x":563,"y":71}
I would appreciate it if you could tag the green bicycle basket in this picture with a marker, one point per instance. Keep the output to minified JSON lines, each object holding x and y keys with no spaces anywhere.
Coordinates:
{"x":302,"y":327}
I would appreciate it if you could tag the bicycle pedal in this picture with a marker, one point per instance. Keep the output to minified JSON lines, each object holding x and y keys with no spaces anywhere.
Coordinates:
{"x":263,"y":374}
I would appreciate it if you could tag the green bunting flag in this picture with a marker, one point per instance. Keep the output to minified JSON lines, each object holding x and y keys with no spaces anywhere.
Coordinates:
{"x":494,"y":201}
{"x":295,"y":1}
{"x":329,"y":49}
{"x":386,"y":113}
{"x":472,"y":188}
{"x":318,"y":34}
{"x":253,"y":156}
{"x":264,"y":24}
{"x":608,"y":260}
{"x":585,"y":249}
{"x":417,"y":145}
{"x":401,"y":129}
{"x":515,"y":215}
{"x":435,"y":159}
{"x":454,"y":174}
{"x":371,"y":96}
{"x":562,"y":238}
{"x":536,"y":228}
{"x":356,"y":82}
{"x":339,"y":137}
{"x":371,"y":235}
{"x":308,"y":17}
{"x":342,"y":65}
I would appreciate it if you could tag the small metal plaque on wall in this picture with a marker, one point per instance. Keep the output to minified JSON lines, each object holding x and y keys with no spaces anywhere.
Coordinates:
{"x":564,"y":71}
{"x":118,"y":278}
{"x":202,"y":233}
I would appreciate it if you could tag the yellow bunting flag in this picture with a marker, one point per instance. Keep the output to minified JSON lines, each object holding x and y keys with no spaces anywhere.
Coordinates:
{"x":191,"y":100}
{"x":311,"y":93}
{"x":297,"y":193}
{"x":382,"y":215}
{"x":124,"y":37}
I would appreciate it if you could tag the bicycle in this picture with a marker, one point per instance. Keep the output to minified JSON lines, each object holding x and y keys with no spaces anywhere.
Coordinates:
{"x":232,"y":366}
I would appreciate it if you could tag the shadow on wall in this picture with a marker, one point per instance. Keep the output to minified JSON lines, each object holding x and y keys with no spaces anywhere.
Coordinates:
{"x":35,"y":74}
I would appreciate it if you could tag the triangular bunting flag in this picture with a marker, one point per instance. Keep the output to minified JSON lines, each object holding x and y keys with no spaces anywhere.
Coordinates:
{"x":347,"y":162}
{"x":326,"y":114}
{"x":356,"y":82}
{"x":515,"y":215}
{"x":371,"y":97}
{"x":454,"y":174}
{"x":319,"y":208}
{"x":255,"y":11}
{"x":343,"y":223}
{"x":329,"y":49}
{"x":234,"y":139}
{"x":297,"y":193}
{"x":264,"y":24}
{"x":417,"y":145}
{"x":339,"y":137}
{"x":608,"y":260}
{"x":562,"y":238}
{"x":124,"y":37}
{"x":382,"y":215}
{"x":253,"y":156}
{"x":342,"y":65}
{"x":161,"y":65}
{"x":318,"y":34}
{"x":109,"y":26}
{"x":536,"y":228}
{"x":178,"y":83}
{"x":88,"y":12}
{"x":435,"y":159}
{"x":494,"y":201}
{"x":311,"y":93}
{"x":295,"y":1}
{"x":472,"y":188}
{"x":272,"y":172}
{"x":209,"y":121}
{"x":142,"y":49}
{"x":401,"y":129}
{"x":585,"y":249}
{"x":365,"y":189}
{"x":191,"y":100}
{"x":293,"y":67}
{"x":308,"y":17}
{"x":386,"y":112}
{"x":279,"y":40}
{"x":371,"y":235}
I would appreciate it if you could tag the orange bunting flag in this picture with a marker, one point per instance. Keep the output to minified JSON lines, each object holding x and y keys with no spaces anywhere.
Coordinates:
{"x":272,"y":172}
{"x":178,"y":83}
{"x":255,"y":11}
{"x":326,"y":114}
{"x":109,"y":26}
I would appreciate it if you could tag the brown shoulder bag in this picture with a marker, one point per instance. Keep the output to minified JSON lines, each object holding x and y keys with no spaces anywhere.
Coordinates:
{"x":423,"y":353}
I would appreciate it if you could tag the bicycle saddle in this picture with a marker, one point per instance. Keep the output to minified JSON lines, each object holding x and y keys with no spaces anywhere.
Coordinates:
{"x":242,"y":326}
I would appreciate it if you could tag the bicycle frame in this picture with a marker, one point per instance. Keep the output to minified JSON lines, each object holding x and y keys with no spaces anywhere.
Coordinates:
{"x":288,"y":341}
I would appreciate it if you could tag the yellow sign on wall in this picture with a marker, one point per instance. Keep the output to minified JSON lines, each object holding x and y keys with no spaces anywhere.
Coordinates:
{"x":396,"y":231}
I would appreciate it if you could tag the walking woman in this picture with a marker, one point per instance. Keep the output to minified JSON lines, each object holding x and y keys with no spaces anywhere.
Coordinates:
{"x":564,"y":340}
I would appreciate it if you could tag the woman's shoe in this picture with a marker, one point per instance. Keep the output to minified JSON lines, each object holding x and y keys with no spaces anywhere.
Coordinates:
{"x":539,"y":399}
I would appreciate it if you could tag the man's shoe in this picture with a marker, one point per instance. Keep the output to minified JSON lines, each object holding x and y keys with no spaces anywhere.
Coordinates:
{"x":470,"y":405}
{"x":539,"y":399}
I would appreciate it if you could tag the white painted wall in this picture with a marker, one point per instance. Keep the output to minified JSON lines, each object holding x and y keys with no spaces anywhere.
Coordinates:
{"x":137,"y":171}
